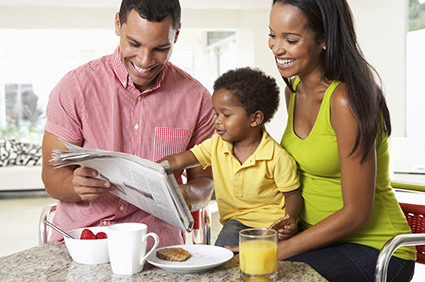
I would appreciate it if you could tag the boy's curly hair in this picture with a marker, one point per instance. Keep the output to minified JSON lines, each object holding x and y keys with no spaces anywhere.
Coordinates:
{"x":252,"y":89}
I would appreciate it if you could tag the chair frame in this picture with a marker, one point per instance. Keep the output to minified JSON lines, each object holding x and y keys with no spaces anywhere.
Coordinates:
{"x":201,"y":233}
{"x":46,"y":214}
{"x":415,"y":215}
{"x":416,"y":238}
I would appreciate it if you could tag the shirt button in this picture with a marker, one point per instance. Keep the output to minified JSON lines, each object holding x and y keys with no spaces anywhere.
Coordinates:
{"x":105,"y":222}
{"x":139,"y":98}
{"x":136,"y":126}
{"x":237,"y":175}
{"x":121,"y":208}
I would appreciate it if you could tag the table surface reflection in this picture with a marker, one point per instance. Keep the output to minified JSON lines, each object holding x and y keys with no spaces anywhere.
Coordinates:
{"x":52,"y":262}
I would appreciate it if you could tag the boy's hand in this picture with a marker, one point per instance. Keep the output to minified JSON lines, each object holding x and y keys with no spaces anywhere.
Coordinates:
{"x":289,"y":230}
{"x":234,"y":249}
{"x":285,"y":226}
{"x":186,"y":196}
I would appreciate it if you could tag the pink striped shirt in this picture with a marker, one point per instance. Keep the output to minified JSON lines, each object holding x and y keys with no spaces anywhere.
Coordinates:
{"x":97,"y":104}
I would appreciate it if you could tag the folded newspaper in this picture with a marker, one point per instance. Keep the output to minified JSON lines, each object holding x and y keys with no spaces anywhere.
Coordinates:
{"x":149,"y":186}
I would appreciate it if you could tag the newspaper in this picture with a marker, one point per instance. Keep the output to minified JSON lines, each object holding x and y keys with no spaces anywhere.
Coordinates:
{"x":149,"y":186}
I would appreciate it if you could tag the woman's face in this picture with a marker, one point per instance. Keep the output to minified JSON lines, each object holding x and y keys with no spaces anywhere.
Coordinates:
{"x":294,"y":46}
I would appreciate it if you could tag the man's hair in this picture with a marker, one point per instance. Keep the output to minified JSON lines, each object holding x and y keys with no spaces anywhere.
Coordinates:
{"x":252,"y":89}
{"x":152,"y":10}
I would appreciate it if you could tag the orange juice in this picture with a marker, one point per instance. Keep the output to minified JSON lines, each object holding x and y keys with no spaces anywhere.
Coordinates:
{"x":258,"y":257}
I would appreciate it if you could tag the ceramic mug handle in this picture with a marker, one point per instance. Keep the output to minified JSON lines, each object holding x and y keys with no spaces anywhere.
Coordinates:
{"x":155,"y":237}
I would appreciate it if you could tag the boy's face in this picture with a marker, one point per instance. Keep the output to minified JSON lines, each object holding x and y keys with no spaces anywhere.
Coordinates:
{"x":231,"y":121}
{"x":145,"y":47}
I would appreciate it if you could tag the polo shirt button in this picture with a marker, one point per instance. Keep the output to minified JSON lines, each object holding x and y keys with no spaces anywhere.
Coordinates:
{"x":105,"y":222}
{"x":237,"y":175}
{"x":139,"y":98}
{"x":136,"y":126}
{"x":121,"y":208}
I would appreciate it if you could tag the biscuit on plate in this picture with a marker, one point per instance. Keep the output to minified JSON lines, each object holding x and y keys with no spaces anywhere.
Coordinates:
{"x":173,"y":254}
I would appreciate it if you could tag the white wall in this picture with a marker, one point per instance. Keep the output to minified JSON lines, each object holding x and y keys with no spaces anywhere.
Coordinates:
{"x":380,"y":24}
{"x":381,"y":29}
{"x":252,"y":31}
{"x":381,"y":35}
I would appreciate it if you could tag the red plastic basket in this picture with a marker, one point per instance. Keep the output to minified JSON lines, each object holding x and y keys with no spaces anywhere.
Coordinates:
{"x":415,"y":215}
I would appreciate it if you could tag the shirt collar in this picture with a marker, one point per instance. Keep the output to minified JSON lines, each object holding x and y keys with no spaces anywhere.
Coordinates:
{"x":119,"y":68}
{"x":264,"y":151}
{"x":125,"y":79}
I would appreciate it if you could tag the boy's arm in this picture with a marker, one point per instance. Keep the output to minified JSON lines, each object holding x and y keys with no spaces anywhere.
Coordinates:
{"x":293,"y":203}
{"x":181,"y":161}
{"x":198,"y":190}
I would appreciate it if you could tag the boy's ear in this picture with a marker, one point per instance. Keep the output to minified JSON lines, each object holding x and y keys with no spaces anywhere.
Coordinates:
{"x":257,"y":118}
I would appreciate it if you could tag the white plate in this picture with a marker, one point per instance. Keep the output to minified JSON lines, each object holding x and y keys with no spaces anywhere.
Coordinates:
{"x":203,"y":257}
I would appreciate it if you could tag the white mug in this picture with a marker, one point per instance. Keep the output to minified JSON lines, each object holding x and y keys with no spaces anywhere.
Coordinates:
{"x":127,"y":247}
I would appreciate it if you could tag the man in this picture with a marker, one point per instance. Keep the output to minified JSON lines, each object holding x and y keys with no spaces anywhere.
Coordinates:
{"x":132,"y":101}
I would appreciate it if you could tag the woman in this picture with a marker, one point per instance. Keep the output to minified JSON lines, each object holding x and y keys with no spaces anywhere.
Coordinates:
{"x":338,"y":125}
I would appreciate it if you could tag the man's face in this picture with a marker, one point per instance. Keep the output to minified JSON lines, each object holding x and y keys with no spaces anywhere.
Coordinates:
{"x":145,"y":47}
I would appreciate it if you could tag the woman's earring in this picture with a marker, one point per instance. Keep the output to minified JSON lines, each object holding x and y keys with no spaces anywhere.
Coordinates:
{"x":324,"y":48}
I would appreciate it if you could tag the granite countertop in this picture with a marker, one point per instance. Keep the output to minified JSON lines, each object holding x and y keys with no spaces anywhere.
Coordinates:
{"x":52,"y":262}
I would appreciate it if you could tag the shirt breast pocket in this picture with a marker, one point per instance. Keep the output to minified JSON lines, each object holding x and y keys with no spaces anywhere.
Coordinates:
{"x":169,"y":141}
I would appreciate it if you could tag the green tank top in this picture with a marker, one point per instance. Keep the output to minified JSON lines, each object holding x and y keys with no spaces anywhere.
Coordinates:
{"x":320,"y":177}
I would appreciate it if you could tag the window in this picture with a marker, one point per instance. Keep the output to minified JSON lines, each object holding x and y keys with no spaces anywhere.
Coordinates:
{"x":221,"y":53}
{"x":415,"y":68}
{"x":22,"y":111}
{"x":33,"y":61}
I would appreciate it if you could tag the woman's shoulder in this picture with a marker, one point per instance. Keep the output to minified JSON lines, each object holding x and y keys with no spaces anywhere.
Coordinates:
{"x":339,"y":98}
{"x":343,"y":118}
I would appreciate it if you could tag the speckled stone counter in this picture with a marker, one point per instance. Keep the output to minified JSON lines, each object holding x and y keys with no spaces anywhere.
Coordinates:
{"x":51,"y":262}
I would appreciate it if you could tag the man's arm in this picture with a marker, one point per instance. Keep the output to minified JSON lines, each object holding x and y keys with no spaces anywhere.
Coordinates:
{"x":69,"y":183}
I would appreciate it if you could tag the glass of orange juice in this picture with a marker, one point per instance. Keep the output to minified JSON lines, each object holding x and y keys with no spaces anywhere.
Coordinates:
{"x":258,"y":254}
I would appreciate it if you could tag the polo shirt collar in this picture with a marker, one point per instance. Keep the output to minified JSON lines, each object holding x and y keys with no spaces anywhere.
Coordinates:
{"x":125,"y":79}
{"x":264,"y":151}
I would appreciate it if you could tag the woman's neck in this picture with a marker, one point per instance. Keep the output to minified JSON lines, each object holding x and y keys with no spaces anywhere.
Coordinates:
{"x":314,"y":82}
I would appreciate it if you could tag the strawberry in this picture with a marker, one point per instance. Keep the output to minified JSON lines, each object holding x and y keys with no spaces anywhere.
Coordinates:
{"x":101,"y":235}
{"x":87,"y":235}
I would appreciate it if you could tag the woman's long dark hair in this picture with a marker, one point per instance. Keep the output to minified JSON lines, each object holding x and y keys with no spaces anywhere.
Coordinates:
{"x":332,"y":21}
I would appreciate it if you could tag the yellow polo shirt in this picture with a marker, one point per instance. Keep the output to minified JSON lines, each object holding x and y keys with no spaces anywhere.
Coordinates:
{"x":250,"y":192}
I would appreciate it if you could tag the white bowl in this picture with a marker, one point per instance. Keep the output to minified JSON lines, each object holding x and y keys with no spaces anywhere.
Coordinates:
{"x":88,"y":251}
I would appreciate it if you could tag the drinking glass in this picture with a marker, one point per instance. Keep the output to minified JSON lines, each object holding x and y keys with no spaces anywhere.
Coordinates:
{"x":258,"y":254}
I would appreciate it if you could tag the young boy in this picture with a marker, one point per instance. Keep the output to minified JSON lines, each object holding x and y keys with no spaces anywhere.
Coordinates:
{"x":256,"y":181}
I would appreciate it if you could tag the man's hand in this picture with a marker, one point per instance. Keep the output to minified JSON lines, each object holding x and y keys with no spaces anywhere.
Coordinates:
{"x":87,"y":187}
